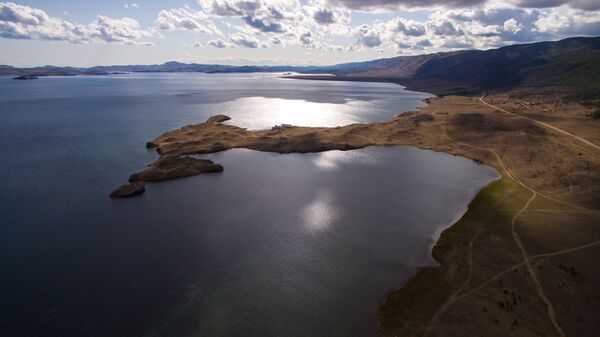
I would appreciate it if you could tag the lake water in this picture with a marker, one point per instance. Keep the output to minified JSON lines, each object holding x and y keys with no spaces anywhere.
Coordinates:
{"x":276,"y":245}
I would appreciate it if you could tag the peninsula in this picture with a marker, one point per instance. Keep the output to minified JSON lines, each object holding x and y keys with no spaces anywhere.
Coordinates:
{"x":513,"y":260}
{"x":520,"y":259}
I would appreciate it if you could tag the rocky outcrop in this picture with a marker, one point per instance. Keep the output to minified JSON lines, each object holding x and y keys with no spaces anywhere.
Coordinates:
{"x":129,"y":190}
{"x":218,"y":119}
{"x":175,"y":167}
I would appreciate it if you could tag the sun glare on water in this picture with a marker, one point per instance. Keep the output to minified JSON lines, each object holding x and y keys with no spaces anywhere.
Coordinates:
{"x":262,"y":113}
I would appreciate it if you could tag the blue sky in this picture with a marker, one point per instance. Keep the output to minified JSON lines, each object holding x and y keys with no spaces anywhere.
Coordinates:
{"x":86,"y":33}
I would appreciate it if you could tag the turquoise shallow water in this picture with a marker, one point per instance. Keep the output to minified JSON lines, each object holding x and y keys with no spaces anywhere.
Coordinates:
{"x":276,"y":245}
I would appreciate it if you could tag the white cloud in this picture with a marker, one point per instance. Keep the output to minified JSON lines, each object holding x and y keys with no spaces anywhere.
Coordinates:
{"x":267,"y":16}
{"x":482,"y":28}
{"x":243,"y":40}
{"x":368,"y":36}
{"x":24,"y":22}
{"x":319,"y":25}
{"x":218,"y":43}
{"x":185,"y":19}
{"x":324,"y":14}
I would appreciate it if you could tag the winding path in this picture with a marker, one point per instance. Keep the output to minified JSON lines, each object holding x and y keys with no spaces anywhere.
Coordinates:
{"x":526,"y":258}
{"x":585,"y":141}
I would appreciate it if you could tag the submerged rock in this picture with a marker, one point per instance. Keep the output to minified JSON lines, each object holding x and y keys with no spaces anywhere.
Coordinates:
{"x":129,"y":190}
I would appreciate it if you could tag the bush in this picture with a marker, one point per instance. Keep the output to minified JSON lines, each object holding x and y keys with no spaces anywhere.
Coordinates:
{"x":596,"y":114}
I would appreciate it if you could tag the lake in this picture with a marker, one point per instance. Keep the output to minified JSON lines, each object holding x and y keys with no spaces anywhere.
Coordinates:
{"x":276,"y":245}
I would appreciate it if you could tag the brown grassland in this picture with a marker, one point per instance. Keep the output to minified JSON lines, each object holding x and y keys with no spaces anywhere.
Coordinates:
{"x":522,"y":261}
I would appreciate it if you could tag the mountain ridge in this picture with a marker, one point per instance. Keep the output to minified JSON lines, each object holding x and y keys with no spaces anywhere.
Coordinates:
{"x":572,"y":63}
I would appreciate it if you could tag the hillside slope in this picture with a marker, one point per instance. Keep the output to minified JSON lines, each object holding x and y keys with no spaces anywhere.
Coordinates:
{"x":573,"y":63}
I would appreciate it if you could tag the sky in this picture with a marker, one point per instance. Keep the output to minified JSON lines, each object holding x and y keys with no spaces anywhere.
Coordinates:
{"x":268,"y":32}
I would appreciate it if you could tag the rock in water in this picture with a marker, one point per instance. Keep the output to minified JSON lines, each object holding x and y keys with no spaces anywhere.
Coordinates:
{"x":129,"y":190}
{"x":174,"y":168}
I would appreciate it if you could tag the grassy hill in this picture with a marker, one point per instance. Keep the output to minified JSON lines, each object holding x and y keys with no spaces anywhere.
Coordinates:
{"x":573,"y":63}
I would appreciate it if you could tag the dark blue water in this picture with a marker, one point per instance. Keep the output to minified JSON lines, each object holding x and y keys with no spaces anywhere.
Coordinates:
{"x":277,"y":245}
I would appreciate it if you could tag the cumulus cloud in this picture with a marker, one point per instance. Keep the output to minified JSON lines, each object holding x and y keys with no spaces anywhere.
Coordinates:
{"x":368,"y":36}
{"x":568,"y":22}
{"x":446,"y":28}
{"x":243,"y":40}
{"x":483,"y":28}
{"x":218,"y":43}
{"x":325,"y":24}
{"x":410,"y":27}
{"x":307,"y":39}
{"x":24,"y":22}
{"x":263,"y":15}
{"x":185,"y":19}
{"x":324,"y":14}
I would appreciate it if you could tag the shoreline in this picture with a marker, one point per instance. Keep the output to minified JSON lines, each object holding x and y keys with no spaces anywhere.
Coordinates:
{"x":483,"y":132}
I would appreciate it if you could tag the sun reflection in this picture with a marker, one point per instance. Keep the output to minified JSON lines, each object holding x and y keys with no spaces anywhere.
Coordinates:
{"x":320,"y":213}
{"x":331,"y":160}
{"x":263,"y":113}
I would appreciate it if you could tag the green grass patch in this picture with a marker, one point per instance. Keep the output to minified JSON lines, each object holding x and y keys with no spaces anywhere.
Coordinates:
{"x":407,"y":310}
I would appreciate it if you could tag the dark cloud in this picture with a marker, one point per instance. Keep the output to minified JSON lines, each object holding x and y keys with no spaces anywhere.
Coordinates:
{"x":307,"y":39}
{"x":265,"y":26}
{"x":395,"y":4}
{"x":579,"y":4}
{"x":411,"y":29}
{"x":447,"y":28}
{"x":324,"y":16}
{"x":218,"y":43}
{"x":368,"y":36}
{"x":245,"y":41}
{"x":370,"y":41}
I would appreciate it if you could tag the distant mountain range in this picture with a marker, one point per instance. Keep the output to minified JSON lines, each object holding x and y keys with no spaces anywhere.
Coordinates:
{"x":572,"y":63}
{"x":169,"y":67}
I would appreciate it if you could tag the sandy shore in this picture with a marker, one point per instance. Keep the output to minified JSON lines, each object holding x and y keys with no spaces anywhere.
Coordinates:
{"x":517,"y":263}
